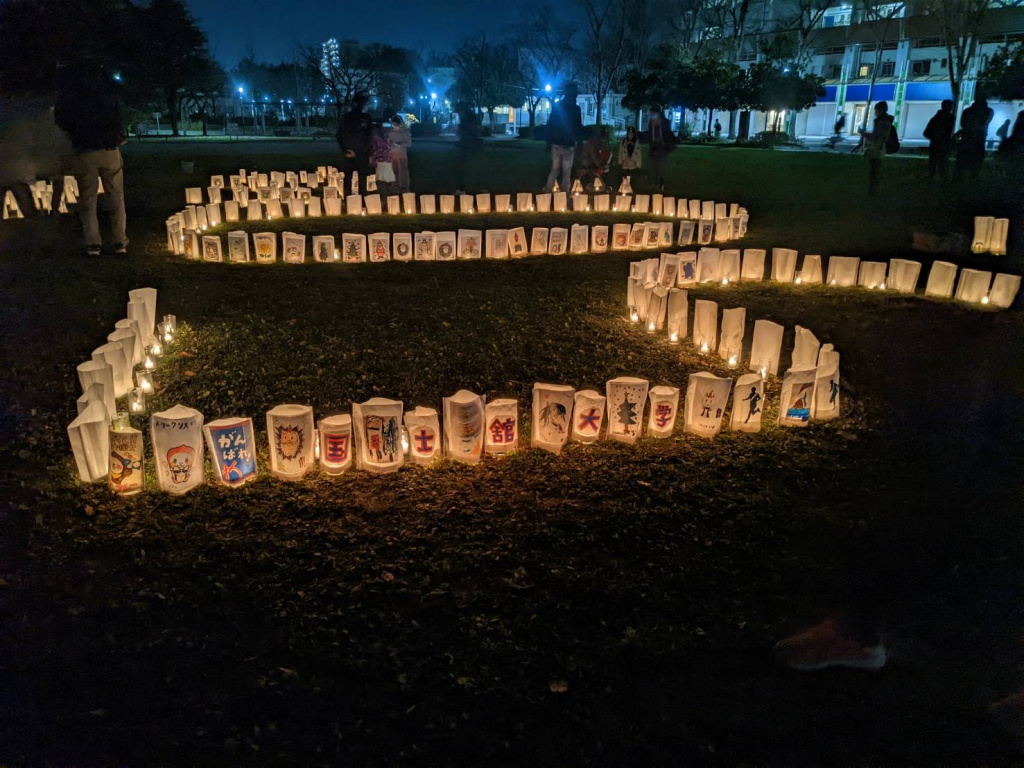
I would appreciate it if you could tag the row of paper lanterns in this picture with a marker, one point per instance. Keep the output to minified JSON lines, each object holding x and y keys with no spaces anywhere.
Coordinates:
{"x":990,"y":235}
{"x":379,"y":436}
{"x":41,"y":191}
{"x":432,"y":246}
{"x":730,"y":266}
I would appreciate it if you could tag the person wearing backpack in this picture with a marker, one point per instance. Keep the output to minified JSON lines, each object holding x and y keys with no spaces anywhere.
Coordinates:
{"x":881,"y":141}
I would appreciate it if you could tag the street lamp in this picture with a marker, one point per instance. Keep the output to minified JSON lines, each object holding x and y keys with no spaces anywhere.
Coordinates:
{"x":547,"y":88}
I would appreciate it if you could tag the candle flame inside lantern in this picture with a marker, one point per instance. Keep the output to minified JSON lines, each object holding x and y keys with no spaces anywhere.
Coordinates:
{"x":984,"y":299}
{"x":337,"y":254}
{"x":764,"y":371}
{"x":725,"y":281}
{"x":634,"y":316}
{"x":798,"y":280}
{"x":149,"y":364}
{"x":673,"y":338}
{"x":881,"y":287}
{"x":146,"y":385}
{"x":155,"y":349}
{"x":732,"y":361}
{"x":833,"y":281}
{"x":650,"y":327}
{"x":405,"y":440}
{"x":704,"y":347}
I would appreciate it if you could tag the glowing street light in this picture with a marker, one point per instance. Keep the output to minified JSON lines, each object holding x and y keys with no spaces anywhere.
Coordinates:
{"x":547,"y":88}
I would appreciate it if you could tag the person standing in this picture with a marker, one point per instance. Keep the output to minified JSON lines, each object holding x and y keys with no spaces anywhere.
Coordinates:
{"x":974,"y":124}
{"x":355,"y":132}
{"x":1003,"y":131}
{"x":662,"y":142}
{"x":400,"y":139}
{"x":88,"y":109}
{"x":630,"y":153}
{"x":565,"y":130}
{"x":939,"y":133}
{"x":876,"y":145}
{"x":469,"y":141}
{"x":718,"y":129}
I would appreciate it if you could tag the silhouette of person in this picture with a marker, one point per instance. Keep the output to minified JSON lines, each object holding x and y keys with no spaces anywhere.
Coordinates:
{"x":753,"y":398}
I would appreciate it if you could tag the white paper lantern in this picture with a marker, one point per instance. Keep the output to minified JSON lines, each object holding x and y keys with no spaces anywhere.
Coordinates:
{"x":425,"y":246}
{"x":602,"y":203}
{"x":559,"y":202}
{"x":213,"y":216}
{"x":177,"y":438}
{"x":871,"y":274}
{"x":657,"y":308}
{"x":657,"y":201}
{"x":578,"y":238}
{"x":238,"y":246}
{"x":688,"y":270}
{"x":903,"y":275}
{"x":424,"y":430}
{"x":797,"y":397}
{"x":191,"y":245}
{"x":810,"y":271}
{"x":96,"y":378}
{"x":625,"y":188}
{"x":705,"y":231}
{"x":503,"y":203}
{"x":940,"y":280}
{"x":314,"y":208}
{"x":636,"y":236}
{"x":708,"y":265}
{"x":470,"y":244}
{"x":148,"y":297}
{"x":747,"y":403}
{"x":174,"y":236}
{"x":665,"y":234}
{"x":138,"y":340}
{"x":783,"y":264}
{"x":379,"y":245}
{"x":274,"y":210}
{"x":354,"y":205}
{"x":402,"y":242}
{"x":447,"y":203}
{"x":524,"y":202}
{"x":668,"y":269}
{"x":723,"y":230}
{"x":89,"y":437}
{"x":323,"y":248}
{"x":805,"y":349}
{"x":518,"y":246}
{"x":620,"y":237}
{"x":623,"y":203}
{"x":232,"y":446}
{"x":705,"y":325}
{"x":113,"y":355}
{"x":706,"y":398}
{"x":194,"y":195}
{"x":1004,"y":290}
{"x":394,"y":205}
{"x":664,"y":409}
{"x":982,"y":233}
{"x":558,"y":241}
{"x":335,"y":435}
{"x":254,"y":211}
{"x":539,"y":241}
{"x":842,"y":271}
{"x":652,"y":235}
{"x":428,"y":204}
{"x":464,"y":426}
{"x":642,"y":203}
{"x":444,"y":246}
{"x":675,"y":320}
{"x":293,"y":246}
{"x":588,"y":416}
{"x":466,"y":203}
{"x":693,"y":209}
{"x":729,"y":269}
{"x":973,"y":286}
{"x":626,"y":396}
{"x":265,"y":245}
{"x":730,"y":345}
{"x":502,"y":431}
{"x":126,"y":340}
{"x":378,"y":429}
{"x":212,"y":248}
{"x":668,"y":206}
{"x":753,"y":265}
{"x":497,"y":243}
{"x":997,"y":236}
{"x":372,"y":204}
{"x":766,"y":347}
{"x":483,"y":202}
{"x":826,"y":391}
{"x":552,"y":416}
{"x":125,"y":475}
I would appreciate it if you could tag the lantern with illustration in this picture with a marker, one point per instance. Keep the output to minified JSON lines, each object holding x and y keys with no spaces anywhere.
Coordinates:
{"x":177,"y":439}
{"x":501,"y":417}
{"x":706,"y":398}
{"x":378,"y":430}
{"x":232,"y":446}
{"x":748,"y":403}
{"x":424,"y":430}
{"x":335,"y":434}
{"x":664,"y":408}
{"x":464,"y":426}
{"x":626,"y":396}
{"x":552,"y":416}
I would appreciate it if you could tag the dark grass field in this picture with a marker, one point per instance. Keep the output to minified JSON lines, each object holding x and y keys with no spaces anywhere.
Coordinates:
{"x":612,"y":605}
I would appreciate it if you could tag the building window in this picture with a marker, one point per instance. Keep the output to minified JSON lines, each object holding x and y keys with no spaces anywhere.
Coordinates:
{"x":922,"y":67}
{"x":836,"y":71}
{"x":837,"y":17}
{"x":888,"y":68}
{"x":865,"y":70}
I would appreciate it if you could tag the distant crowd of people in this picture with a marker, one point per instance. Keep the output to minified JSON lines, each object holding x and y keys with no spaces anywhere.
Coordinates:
{"x":369,"y":148}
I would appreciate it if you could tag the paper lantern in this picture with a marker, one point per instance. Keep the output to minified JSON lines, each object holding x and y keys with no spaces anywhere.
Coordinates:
{"x":335,"y":435}
{"x":578,"y":238}
{"x":664,"y":409}
{"x":797,"y":397}
{"x":232,"y":446}
{"x":623,"y":203}
{"x":428,"y":204}
{"x":447,"y":203}
{"x":625,"y":188}
{"x":464,"y":426}
{"x":552,"y":416}
{"x":394,"y":205}
{"x":602,"y":203}
{"x":657,"y":306}
{"x":747,"y":403}
{"x":113,"y":355}
{"x":626,"y":396}
{"x":89,"y":437}
{"x":708,"y":265}
{"x":138,"y":339}
{"x":296,"y":208}
{"x":379,"y":246}
{"x":706,"y":398}
{"x":687,"y":268}
{"x":238,"y":246}
{"x":332,"y":206}
{"x":424,"y":430}
{"x":558,"y":241}
{"x":1004,"y":290}
{"x":729,"y":270}
{"x":213,"y":217}
{"x":973,"y":286}
{"x":705,"y":325}
{"x":378,"y":427}
{"x":783,"y":265}
{"x":354,"y":205}
{"x":11,"y":208}
{"x":997,"y":236}
{"x":353,"y":248}
{"x":620,"y":237}
{"x":723,"y":230}
{"x":668,"y":269}
{"x":125,"y":474}
{"x":274,"y":210}
{"x":642,"y":203}
{"x":292,"y":441}
{"x":483,"y":202}
{"x":753,"y":265}
{"x":705,"y":230}
{"x":96,"y":378}
{"x":539,"y":241}
{"x":826,"y":391}
{"x":265,"y":245}
{"x":402,"y":242}
{"x":903,"y":275}
{"x":174,"y":236}
{"x":730,"y":345}
{"x":940,"y":280}
{"x":191,"y":245}
{"x":766,"y":348}
{"x":805,"y":349}
{"x":194,"y":195}
{"x":497,"y":243}
{"x":466,"y":203}
{"x":982,"y":233}
{"x":125,"y":339}
{"x":842,"y":271}
{"x":668,"y":206}
{"x":444,"y":246}
{"x":372,"y":204}
{"x":810,"y":271}
{"x":502,"y":431}
{"x":323,"y":248}
{"x":425,"y":244}
{"x":588,"y":416}
{"x":314,"y":209}
{"x":637,"y":235}
{"x":657,"y":201}
{"x":148,"y":298}
{"x":559,"y":202}
{"x":254,"y":211}
{"x":871,"y":274}
{"x":689,"y":209}
{"x":294,"y":247}
{"x":518,"y":247}
{"x":177,"y":438}
{"x":470,"y":244}
{"x":675,"y":320}
{"x":503,"y":203}
{"x":652,"y":235}
{"x":212,"y":248}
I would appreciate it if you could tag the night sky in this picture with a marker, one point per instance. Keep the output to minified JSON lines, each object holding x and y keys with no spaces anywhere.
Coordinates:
{"x":275,"y":27}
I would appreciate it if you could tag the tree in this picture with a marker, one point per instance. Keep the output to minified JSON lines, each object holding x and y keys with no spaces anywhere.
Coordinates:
{"x":772,"y":86}
{"x":604,"y":46}
{"x":200,"y":94}
{"x":805,"y":19}
{"x":1003,"y":78}
{"x":879,"y":17}
{"x":486,"y":75}
{"x":348,"y":68}
{"x":959,"y":21}
{"x":543,"y":47}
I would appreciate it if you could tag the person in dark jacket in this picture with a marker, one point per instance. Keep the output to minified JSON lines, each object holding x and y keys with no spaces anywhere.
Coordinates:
{"x":662,"y":141}
{"x":88,"y":109}
{"x":565,"y":131}
{"x":939,"y":133}
{"x":970,"y":155}
{"x":355,"y":130}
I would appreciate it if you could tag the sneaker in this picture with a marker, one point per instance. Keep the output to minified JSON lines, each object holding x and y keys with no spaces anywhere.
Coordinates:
{"x":120,"y":249}
{"x":92,"y":250}
{"x":827,"y":645}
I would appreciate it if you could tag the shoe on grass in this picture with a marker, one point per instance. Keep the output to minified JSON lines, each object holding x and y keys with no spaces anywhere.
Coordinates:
{"x":92,"y":250}
{"x":120,"y":249}
{"x":827,"y":645}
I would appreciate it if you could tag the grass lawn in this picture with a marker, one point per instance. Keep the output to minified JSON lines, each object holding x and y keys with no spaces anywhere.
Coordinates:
{"x":612,"y":605}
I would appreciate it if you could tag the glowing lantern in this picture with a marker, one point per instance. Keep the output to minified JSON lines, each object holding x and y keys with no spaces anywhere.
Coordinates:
{"x":940,"y":280}
{"x":973,"y":286}
{"x":552,"y":416}
{"x":524,"y":202}
{"x":470,"y":244}
{"x":796,"y":402}
{"x":372,"y":204}
{"x":599,"y":238}
{"x":464,"y":426}
{"x":731,"y":341}
{"x":402,"y":242}
{"x":483,"y":202}
{"x":1004,"y":290}
{"x":805,"y":349}
{"x":539,"y":241}
{"x":842,"y":271}
{"x":503,"y":203}
{"x":501,"y":434}
{"x":447,"y":204}
{"x":125,"y":475}
{"x":425,"y":246}
{"x":903,"y":275}
{"x":518,"y":246}
{"x":661,"y":420}
{"x":294,"y":247}
{"x":265,"y":245}
{"x":558,"y":241}
{"x":378,"y":424}
{"x":428,"y":204}
{"x":587,"y":416}
{"x":871,"y":274}
{"x":766,"y":348}
{"x":238,"y":247}
{"x":177,"y":439}
{"x":686,"y":233}
{"x":578,"y":239}
{"x":810,"y":271}
{"x":706,"y":398}
{"x":89,"y":437}
{"x":783,"y":264}
{"x":626,"y":397}
{"x":705,"y":324}
{"x":747,"y":403}
{"x":424,"y":430}
{"x":466,"y":203}
{"x":335,"y":435}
